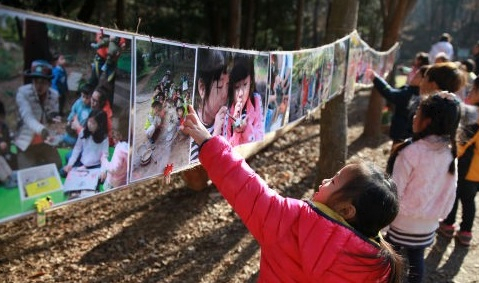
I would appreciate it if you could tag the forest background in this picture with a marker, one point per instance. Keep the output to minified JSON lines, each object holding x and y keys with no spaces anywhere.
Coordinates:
{"x":272,"y":24}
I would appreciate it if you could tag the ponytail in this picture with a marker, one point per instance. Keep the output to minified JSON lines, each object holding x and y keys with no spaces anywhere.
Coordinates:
{"x":394,"y":155}
{"x":452,"y":165}
{"x":394,"y":260}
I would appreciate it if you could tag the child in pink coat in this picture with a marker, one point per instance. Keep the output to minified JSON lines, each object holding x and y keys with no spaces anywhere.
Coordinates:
{"x":115,"y":171}
{"x":333,"y":237}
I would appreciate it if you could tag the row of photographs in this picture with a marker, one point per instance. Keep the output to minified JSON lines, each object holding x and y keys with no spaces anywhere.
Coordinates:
{"x":115,"y":119}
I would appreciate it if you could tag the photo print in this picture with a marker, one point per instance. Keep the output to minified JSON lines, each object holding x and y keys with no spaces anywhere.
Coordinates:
{"x":306,"y":82}
{"x":230,"y":94}
{"x":340,"y":67}
{"x":64,"y":87}
{"x":164,"y":88}
{"x":277,"y":106}
{"x":354,"y":59}
{"x":327,"y":73}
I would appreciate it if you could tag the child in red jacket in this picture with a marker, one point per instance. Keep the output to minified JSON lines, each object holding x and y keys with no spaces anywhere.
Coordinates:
{"x":334,"y":237}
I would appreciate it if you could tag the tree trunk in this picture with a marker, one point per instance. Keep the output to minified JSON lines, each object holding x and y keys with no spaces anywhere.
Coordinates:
{"x":120,"y":14}
{"x":316,"y":22}
{"x":250,"y":24}
{"x":36,"y":45}
{"x":299,"y":24}
{"x":342,"y":20}
{"x":394,"y":13}
{"x":86,"y":11}
{"x":235,"y":24}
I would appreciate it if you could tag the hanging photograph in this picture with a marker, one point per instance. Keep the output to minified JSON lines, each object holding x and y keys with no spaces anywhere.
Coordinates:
{"x":340,"y":67}
{"x":277,"y":106}
{"x":65,"y":99}
{"x":164,"y":85}
{"x":306,"y":82}
{"x":230,"y":94}
{"x":364,"y":64}
{"x":354,"y":59}
{"x":327,"y":73}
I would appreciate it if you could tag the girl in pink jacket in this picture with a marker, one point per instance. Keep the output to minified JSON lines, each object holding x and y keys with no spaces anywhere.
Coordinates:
{"x":334,"y":237}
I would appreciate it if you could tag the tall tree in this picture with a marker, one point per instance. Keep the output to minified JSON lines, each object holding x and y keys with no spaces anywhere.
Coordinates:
{"x":299,"y":24}
{"x":342,"y":20}
{"x":120,"y":14}
{"x":249,"y":32}
{"x":35,"y":46}
{"x":235,"y":23}
{"x":393,"y":13}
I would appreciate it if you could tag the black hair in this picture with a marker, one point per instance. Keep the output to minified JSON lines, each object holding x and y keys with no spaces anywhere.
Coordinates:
{"x":211,"y":65}
{"x":103,"y":89}
{"x":423,"y":58}
{"x":470,"y":65}
{"x":445,"y":37}
{"x":374,"y":196}
{"x":2,"y":110}
{"x":155,"y":103}
{"x":447,"y":76}
{"x":102,"y":132}
{"x":445,"y":113}
{"x":242,"y":68}
{"x":86,"y":89}
{"x":56,"y":55}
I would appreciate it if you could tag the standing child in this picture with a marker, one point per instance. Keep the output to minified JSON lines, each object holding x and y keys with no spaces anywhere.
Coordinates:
{"x":60,"y":80}
{"x":468,"y":176}
{"x":245,"y":105}
{"x":334,"y":237}
{"x":92,"y":144}
{"x":401,"y":124}
{"x":438,"y":77}
{"x":115,"y":171}
{"x":424,"y":170}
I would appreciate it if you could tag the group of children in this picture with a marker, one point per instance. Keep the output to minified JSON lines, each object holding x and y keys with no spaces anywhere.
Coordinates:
{"x":165,"y":93}
{"x":91,"y":129}
{"x":361,"y":220}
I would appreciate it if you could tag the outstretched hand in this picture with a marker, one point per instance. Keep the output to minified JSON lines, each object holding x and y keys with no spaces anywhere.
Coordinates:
{"x":193,"y":127}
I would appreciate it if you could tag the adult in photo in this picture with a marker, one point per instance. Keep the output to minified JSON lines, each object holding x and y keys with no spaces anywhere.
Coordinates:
{"x":37,"y":104}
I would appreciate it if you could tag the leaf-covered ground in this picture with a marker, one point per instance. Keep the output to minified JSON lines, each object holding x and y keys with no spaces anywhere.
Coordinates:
{"x":156,"y":233}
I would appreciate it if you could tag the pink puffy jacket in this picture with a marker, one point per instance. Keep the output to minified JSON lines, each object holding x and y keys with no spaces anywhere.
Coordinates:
{"x":299,"y":241}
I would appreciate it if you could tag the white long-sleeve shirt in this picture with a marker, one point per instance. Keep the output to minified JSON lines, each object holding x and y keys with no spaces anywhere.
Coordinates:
{"x":91,"y":152}
{"x":441,"y":46}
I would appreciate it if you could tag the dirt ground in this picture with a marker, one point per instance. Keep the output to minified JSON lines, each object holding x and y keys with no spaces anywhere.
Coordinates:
{"x":154,"y":232}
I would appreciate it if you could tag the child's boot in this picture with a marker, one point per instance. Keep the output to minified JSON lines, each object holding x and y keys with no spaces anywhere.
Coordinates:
{"x":464,"y":238}
{"x":446,"y":230}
